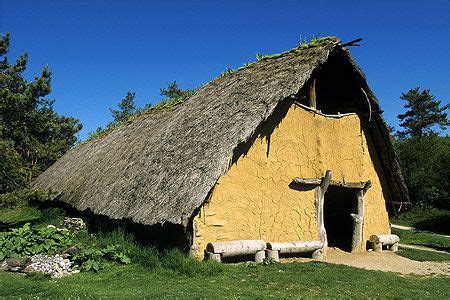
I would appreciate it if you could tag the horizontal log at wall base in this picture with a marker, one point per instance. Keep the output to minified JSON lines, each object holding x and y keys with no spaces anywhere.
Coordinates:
{"x":236,"y":248}
{"x":295,"y":247}
{"x":385,"y":239}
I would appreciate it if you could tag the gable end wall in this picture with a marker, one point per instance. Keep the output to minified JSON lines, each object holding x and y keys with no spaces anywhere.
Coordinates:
{"x":253,"y":199}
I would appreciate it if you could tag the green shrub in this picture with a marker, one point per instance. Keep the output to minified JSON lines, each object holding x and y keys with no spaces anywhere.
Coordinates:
{"x":22,"y":196}
{"x":93,"y":258}
{"x":27,"y":240}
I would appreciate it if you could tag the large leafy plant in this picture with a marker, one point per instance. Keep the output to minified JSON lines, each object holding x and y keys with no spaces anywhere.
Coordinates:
{"x":27,"y":240}
{"x":94,"y":259}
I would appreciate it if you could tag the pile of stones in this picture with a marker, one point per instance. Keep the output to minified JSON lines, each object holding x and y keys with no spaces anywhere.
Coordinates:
{"x":75,"y":224}
{"x":55,"y":265}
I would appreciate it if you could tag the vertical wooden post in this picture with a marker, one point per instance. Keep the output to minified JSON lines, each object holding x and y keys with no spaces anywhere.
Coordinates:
{"x":320,"y":197}
{"x":358,"y":219}
{"x":312,"y":94}
{"x":193,"y":248}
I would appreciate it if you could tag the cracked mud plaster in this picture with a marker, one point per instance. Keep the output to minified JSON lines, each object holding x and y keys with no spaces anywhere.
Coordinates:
{"x":253,"y":199}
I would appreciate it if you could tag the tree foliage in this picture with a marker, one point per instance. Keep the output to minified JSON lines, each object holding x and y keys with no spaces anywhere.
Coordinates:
{"x":173,"y":92}
{"x":425,"y":164}
{"x":424,"y":155}
{"x":127,"y":108}
{"x":33,"y":133}
{"x":423,"y":113}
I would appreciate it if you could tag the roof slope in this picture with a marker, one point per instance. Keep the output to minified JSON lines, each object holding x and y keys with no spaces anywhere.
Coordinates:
{"x":161,"y":167}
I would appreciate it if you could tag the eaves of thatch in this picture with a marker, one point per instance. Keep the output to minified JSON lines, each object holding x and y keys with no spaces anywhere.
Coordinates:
{"x":162,"y":166}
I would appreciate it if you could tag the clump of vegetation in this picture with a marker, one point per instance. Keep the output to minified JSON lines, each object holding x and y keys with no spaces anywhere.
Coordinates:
{"x":169,"y":260}
{"x":28,"y":240}
{"x":173,"y":95}
{"x":227,"y":72}
{"x":303,"y":44}
{"x":93,"y":258}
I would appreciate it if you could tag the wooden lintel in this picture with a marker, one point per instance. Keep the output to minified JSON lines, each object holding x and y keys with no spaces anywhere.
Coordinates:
{"x":307,"y":181}
{"x":317,"y":181}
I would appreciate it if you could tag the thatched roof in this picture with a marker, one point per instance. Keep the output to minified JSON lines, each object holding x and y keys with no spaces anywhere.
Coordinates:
{"x":161,"y":167}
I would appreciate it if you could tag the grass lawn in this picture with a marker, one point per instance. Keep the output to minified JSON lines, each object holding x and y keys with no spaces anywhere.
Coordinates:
{"x":421,"y":255}
{"x":247,"y":281}
{"x":428,"y":219}
{"x":423,"y":239}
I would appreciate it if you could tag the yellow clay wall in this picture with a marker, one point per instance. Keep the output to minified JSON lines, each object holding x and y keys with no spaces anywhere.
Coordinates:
{"x":253,"y":199}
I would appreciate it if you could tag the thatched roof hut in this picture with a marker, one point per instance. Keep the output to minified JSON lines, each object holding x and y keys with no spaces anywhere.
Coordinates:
{"x":162,"y":166}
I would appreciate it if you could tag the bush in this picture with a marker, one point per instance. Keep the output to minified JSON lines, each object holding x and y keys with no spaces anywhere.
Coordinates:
{"x":27,"y":240}
{"x":172,"y":260}
{"x":22,"y":197}
{"x":93,"y":258}
{"x":425,"y":163}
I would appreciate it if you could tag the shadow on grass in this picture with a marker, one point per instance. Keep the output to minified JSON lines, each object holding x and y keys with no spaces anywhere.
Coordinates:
{"x":438,"y":224}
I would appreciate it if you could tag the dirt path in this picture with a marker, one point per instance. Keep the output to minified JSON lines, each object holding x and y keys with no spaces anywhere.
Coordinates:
{"x":386,"y":261}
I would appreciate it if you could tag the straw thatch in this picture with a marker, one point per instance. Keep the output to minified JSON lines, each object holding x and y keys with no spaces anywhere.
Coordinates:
{"x":161,"y":167}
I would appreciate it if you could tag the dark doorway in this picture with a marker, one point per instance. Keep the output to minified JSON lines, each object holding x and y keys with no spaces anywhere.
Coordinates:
{"x":339,"y":204}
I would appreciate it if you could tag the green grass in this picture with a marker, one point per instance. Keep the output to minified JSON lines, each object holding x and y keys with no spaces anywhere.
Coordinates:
{"x":423,"y":239}
{"x":428,"y":219}
{"x":421,"y":217}
{"x":19,"y":214}
{"x":312,"y":279}
{"x":421,"y":255}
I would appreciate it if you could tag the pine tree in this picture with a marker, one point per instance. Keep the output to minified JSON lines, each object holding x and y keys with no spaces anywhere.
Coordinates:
{"x":423,"y":113}
{"x":126,"y":108}
{"x":28,"y":122}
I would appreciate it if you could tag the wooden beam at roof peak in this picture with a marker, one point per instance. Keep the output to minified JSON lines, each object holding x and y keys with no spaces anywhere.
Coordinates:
{"x":312,"y":94}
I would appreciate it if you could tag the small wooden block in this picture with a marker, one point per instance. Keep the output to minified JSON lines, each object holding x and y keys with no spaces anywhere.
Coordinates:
{"x":259,"y":256}
{"x":274,"y":254}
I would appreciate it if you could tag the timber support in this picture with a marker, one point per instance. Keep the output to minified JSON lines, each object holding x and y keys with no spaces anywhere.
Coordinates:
{"x":219,"y":250}
{"x":384,"y":240}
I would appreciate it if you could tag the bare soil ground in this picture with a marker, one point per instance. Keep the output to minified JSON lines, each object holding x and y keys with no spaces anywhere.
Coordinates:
{"x":386,"y":261}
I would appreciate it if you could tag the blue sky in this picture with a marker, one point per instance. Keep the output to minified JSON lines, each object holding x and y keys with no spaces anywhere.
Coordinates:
{"x":99,"y":50}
